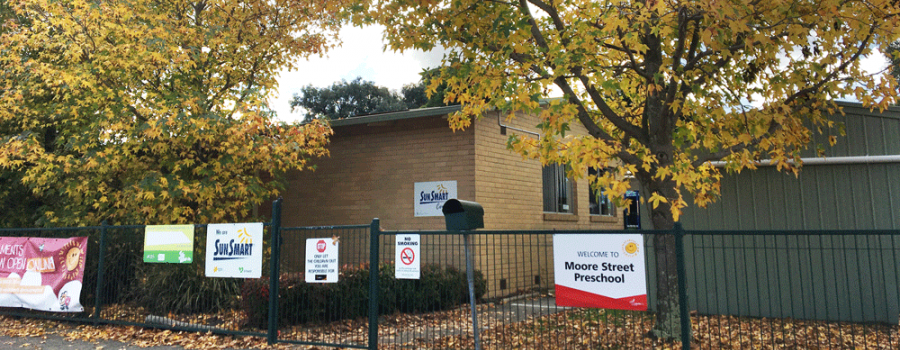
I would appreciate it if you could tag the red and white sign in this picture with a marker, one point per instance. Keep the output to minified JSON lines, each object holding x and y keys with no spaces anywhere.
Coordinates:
{"x":322,"y":260}
{"x":407,"y":256}
{"x":600,"y":271}
{"x":42,"y":273}
{"x":406,"y":264}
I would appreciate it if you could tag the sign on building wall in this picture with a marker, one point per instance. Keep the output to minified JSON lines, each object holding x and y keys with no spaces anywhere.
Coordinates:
{"x":600,"y":271}
{"x":169,"y":244}
{"x":322,"y":260}
{"x":42,"y":273}
{"x":234,"y":250}
{"x":406,"y":257}
{"x":429,"y":197}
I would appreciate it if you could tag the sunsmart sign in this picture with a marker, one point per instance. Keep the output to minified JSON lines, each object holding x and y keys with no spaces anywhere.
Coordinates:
{"x":600,"y":271}
{"x":234,"y":250}
{"x":429,"y":197}
{"x":406,"y":264}
{"x":322,"y":260}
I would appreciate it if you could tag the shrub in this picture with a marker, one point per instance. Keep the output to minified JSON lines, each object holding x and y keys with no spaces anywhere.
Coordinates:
{"x":439,"y":288}
{"x":184,"y":288}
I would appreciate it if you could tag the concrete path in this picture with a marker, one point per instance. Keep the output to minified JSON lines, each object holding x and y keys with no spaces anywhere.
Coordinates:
{"x":55,"y":341}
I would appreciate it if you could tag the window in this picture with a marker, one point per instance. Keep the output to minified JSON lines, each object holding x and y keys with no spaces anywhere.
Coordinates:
{"x":599,"y":202}
{"x":558,"y":196}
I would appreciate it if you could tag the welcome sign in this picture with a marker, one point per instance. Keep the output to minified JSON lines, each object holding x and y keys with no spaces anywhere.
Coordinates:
{"x":600,"y":271}
{"x":234,"y":250}
{"x":42,"y":273}
{"x":429,"y":197}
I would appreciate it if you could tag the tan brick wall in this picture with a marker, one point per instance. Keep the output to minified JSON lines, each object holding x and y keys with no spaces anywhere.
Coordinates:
{"x":511,"y":191}
{"x":371,"y":173}
{"x":372,"y":170}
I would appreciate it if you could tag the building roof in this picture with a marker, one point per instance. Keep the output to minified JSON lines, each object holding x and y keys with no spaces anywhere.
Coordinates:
{"x":391,"y":116}
{"x":856,"y":107}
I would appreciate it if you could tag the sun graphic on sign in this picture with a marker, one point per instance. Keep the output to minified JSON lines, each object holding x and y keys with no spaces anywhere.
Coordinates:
{"x":244,"y":236}
{"x":630,"y":247}
{"x":72,"y":257}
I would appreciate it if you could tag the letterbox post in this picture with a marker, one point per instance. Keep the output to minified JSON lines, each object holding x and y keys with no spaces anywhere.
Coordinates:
{"x":465,"y":216}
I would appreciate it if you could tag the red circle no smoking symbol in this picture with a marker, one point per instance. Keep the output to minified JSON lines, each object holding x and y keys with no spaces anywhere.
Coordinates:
{"x":407,"y":256}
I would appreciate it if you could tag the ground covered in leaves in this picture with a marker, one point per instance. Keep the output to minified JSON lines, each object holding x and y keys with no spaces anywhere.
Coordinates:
{"x":501,"y":329}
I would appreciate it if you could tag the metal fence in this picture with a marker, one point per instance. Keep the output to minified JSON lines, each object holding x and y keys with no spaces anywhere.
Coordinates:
{"x":742,"y":290}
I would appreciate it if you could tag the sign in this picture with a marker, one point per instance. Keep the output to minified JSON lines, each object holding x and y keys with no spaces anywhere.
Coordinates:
{"x":322,"y":260}
{"x":600,"y":271}
{"x":406,"y":253}
{"x":429,"y":197}
{"x":234,"y":250}
{"x":169,"y":244}
{"x":42,"y":273}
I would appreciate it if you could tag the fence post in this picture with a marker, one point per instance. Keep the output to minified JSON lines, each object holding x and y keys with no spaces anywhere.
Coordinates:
{"x":273,"y":271}
{"x":470,"y":276}
{"x":374,"y":234}
{"x":682,"y":287}
{"x":101,"y":270}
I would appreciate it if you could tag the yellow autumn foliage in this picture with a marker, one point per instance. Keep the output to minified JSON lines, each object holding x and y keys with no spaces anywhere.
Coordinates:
{"x":154,"y":112}
{"x":663,"y":87}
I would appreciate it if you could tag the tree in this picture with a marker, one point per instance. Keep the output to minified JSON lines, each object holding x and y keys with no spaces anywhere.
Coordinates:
{"x":662,"y":87}
{"x":152,"y":112}
{"x":358,"y":97}
{"x":893,"y":55}
{"x":416,"y":94}
{"x":343,"y":100}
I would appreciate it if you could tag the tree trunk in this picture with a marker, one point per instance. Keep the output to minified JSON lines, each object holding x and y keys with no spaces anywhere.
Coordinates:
{"x":668,"y":323}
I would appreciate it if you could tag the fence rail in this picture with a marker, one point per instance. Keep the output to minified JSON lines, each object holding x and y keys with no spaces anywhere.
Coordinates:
{"x":739,"y":289}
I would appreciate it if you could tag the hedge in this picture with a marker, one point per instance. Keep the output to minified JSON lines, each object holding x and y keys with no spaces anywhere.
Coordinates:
{"x":439,"y":288}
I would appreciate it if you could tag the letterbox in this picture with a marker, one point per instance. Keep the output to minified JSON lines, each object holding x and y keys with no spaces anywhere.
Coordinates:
{"x":463,"y":215}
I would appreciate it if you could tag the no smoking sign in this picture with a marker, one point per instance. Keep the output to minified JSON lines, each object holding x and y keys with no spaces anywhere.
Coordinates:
{"x":407,"y":256}
{"x":406,"y":265}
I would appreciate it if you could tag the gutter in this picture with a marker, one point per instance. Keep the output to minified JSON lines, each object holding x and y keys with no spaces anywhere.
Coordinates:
{"x":831,"y":160}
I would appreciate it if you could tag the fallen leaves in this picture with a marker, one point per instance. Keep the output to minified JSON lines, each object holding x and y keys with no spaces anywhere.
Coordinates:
{"x":503,"y":327}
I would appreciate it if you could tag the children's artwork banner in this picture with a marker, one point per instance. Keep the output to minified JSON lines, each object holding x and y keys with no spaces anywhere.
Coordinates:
{"x":169,"y":244}
{"x":42,"y":273}
{"x":600,"y":271}
{"x":234,"y":250}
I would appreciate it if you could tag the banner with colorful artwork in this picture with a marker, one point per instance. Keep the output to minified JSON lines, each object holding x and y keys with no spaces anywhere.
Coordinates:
{"x":42,"y":273}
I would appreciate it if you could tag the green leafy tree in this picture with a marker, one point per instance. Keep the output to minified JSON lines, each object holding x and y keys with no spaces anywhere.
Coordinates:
{"x":151,"y":112}
{"x":663,"y":87}
{"x":893,"y":55}
{"x":359,"y":97}
{"x":346,"y":99}
{"x":417,"y":94}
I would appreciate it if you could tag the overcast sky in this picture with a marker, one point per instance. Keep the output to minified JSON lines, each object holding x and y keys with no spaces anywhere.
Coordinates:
{"x":362,"y":54}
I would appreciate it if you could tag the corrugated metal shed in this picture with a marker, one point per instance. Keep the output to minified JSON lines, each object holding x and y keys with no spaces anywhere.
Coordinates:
{"x":824,"y":196}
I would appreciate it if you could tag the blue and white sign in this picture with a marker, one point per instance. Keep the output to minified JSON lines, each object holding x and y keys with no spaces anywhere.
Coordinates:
{"x":429,"y":197}
{"x":234,"y":250}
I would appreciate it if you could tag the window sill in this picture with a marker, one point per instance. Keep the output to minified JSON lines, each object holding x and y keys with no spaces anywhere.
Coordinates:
{"x":604,"y":218}
{"x":560,"y":217}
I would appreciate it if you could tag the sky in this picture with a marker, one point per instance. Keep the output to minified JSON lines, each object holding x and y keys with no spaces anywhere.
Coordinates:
{"x":362,"y":54}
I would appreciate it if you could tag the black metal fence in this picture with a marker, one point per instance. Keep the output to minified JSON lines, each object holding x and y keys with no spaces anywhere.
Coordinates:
{"x":742,"y":290}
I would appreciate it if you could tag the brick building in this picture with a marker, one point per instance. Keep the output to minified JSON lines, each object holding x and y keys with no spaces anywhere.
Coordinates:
{"x":377,"y":162}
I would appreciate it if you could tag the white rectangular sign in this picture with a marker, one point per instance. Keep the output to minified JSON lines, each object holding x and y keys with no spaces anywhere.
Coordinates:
{"x":406,"y":264}
{"x":600,"y":271}
{"x":429,"y":197}
{"x":234,"y":250}
{"x":322,"y":260}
